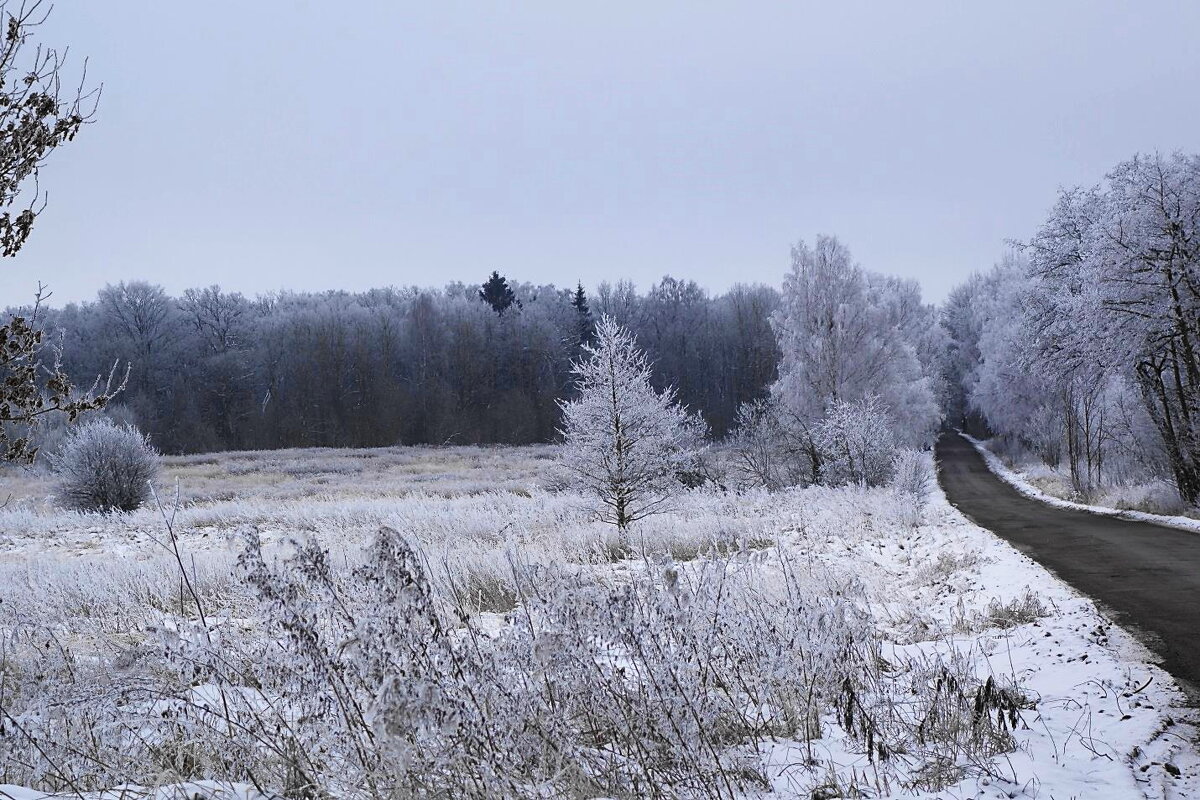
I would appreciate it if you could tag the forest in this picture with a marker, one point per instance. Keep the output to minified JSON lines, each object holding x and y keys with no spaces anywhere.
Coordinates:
{"x":1080,"y":350}
{"x":213,"y":370}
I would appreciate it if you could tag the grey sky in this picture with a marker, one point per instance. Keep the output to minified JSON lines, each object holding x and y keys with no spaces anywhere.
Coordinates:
{"x":303,"y":145}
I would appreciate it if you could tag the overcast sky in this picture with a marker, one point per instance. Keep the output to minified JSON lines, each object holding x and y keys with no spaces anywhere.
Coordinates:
{"x":303,"y":145}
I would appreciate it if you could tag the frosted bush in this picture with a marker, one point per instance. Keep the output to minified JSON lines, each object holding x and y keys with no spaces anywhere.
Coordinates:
{"x":914,"y":473}
{"x":770,"y":448}
{"x":105,"y":467}
{"x":912,"y":482}
{"x":1153,"y":497}
{"x":856,"y":444}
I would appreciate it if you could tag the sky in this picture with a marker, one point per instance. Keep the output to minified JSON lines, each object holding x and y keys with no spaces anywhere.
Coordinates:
{"x":310,"y":146}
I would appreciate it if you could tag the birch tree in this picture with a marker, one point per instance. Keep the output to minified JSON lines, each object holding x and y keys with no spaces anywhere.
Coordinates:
{"x":1117,"y":283}
{"x":846,"y":335}
{"x":626,"y":443}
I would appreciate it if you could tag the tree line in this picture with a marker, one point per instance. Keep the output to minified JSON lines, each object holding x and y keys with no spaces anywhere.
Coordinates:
{"x":1083,"y":345}
{"x":467,"y":364}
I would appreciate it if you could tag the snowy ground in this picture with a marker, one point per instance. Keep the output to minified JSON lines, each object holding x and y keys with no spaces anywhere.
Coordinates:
{"x":1097,"y":719}
{"x":1050,"y":486}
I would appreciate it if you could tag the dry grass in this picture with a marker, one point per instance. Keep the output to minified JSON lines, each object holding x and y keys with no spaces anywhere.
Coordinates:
{"x":493,"y":538}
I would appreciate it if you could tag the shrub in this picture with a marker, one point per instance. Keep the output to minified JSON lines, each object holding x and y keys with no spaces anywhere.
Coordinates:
{"x":856,"y":444}
{"x":771,"y":448}
{"x":913,"y":479}
{"x":57,"y":430}
{"x":105,"y":467}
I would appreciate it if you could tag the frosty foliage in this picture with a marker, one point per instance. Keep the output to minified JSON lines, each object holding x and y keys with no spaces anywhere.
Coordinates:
{"x":368,"y":680}
{"x":914,"y":475}
{"x":608,"y":690}
{"x":912,"y":482}
{"x":105,"y":467}
{"x":493,"y":643}
{"x":1081,"y":349}
{"x":846,"y":335}
{"x":856,"y":444}
{"x":856,"y":349}
{"x":626,"y":444}
{"x":1117,"y":281}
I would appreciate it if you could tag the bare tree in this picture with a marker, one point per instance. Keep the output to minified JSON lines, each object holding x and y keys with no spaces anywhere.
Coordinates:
{"x":33,"y":384}
{"x":36,"y":117}
{"x":216,"y":316}
{"x":140,"y":310}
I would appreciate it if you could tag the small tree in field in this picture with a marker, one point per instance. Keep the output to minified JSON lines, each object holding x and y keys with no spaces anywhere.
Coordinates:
{"x":626,"y":443}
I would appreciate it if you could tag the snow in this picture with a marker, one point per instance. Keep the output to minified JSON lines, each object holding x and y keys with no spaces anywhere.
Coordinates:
{"x":1018,"y":482}
{"x":1105,"y":722}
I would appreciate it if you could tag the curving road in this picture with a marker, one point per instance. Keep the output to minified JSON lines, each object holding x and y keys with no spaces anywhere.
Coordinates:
{"x":1147,"y":575}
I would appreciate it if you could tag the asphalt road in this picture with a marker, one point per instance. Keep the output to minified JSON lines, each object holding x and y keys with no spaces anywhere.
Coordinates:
{"x":1147,"y":576}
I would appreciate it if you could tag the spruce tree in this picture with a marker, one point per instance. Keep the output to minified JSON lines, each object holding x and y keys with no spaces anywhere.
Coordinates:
{"x":497,"y":293}
{"x":585,"y":326}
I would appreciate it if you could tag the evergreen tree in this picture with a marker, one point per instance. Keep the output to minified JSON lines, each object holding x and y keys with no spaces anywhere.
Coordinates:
{"x":585,"y":325}
{"x":498,"y":294}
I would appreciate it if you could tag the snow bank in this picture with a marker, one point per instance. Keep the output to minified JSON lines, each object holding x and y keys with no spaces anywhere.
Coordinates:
{"x":1018,"y":482}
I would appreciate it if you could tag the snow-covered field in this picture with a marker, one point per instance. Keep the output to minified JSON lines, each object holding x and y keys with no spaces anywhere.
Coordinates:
{"x":817,"y":642}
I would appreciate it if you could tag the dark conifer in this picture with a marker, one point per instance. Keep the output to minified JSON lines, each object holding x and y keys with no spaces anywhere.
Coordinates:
{"x":497,"y":293}
{"x":585,"y":323}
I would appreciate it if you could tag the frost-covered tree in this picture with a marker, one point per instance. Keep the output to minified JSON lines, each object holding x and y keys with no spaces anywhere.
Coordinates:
{"x":770,"y":449}
{"x":846,"y":335}
{"x":1011,"y":390}
{"x":217,"y":317}
{"x":625,"y":442}
{"x":1116,"y":289}
{"x":1083,"y":348}
{"x":962,"y":360}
